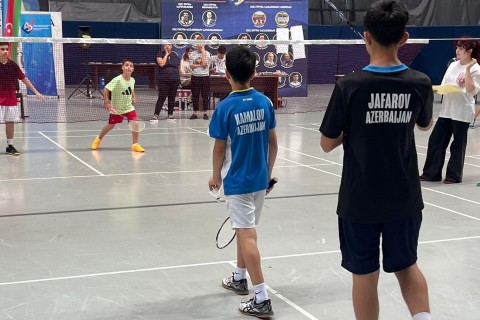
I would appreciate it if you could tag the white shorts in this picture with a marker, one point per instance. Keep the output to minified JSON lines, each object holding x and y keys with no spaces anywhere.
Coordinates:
{"x":245,"y":209}
{"x":9,"y":114}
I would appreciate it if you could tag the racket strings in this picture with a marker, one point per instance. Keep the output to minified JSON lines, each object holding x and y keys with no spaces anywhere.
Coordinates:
{"x":225,"y":234}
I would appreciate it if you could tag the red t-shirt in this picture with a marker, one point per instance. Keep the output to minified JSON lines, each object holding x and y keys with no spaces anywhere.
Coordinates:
{"x":10,"y":73}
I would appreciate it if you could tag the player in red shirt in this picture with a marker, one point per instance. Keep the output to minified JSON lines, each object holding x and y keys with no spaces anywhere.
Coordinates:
{"x":9,"y":109}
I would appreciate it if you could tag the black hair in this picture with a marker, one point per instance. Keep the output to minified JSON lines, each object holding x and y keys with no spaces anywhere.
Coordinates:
{"x":222,"y":50}
{"x":467,"y":44}
{"x":4,"y":44}
{"x":185,"y":54}
{"x":386,"y":22}
{"x":240,"y":63}
{"x":127,"y":60}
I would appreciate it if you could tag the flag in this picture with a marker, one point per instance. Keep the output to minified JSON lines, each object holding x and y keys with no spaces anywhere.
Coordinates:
{"x":12,"y":10}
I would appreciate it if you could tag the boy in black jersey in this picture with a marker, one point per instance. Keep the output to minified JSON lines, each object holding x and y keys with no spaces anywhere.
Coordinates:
{"x":373,"y":113}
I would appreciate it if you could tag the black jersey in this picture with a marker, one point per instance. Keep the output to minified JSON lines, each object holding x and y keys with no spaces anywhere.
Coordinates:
{"x":377,"y":109}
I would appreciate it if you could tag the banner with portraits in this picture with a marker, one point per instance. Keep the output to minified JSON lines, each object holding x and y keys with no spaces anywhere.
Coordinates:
{"x":244,"y":19}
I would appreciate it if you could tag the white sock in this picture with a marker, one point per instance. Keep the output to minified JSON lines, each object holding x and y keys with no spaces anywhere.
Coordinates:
{"x":10,"y":141}
{"x":422,"y":316}
{"x":240,"y":273}
{"x":261,"y":293}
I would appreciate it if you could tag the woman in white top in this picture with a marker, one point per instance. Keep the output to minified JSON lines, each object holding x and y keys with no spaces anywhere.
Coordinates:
{"x":185,"y":70}
{"x":455,"y":116}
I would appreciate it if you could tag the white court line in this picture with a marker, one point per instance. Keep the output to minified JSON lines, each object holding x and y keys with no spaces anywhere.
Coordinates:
{"x":287,"y":301}
{"x":309,"y":129}
{"x":310,"y":167}
{"x":195,"y":130}
{"x":121,"y":134}
{"x":451,"y":195}
{"x":116,"y":128}
{"x":202,"y":264}
{"x":430,"y":204}
{"x":74,"y":156}
{"x":133,"y":174}
{"x":453,"y":211}
{"x":310,"y":156}
{"x":447,"y":154}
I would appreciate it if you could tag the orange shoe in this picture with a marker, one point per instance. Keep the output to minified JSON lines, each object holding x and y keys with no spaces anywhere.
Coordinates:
{"x":96,"y":143}
{"x":137,"y":148}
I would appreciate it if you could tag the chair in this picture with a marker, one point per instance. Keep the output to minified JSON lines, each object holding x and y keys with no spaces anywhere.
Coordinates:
{"x":183,"y":95}
{"x":19,"y":96}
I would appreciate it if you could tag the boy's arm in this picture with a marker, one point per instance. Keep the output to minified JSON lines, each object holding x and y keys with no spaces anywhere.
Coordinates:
{"x":328,"y":144}
{"x":219,"y":150}
{"x":106,"y":98}
{"x":427,"y":127}
{"x":32,"y":87}
{"x":272,"y":152}
{"x":134,"y":97}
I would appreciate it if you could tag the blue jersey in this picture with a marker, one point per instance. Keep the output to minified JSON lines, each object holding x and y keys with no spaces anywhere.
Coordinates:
{"x":244,"y":120}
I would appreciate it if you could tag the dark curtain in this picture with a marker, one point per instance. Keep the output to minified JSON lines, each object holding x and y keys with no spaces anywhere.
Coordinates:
{"x":118,"y":10}
{"x":422,"y":12}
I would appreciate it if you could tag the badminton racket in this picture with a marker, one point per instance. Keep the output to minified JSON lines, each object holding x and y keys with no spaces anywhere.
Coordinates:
{"x":225,"y":233}
{"x":344,"y":19}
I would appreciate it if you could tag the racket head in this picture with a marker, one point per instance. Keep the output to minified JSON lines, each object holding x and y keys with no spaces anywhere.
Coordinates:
{"x":136,"y":125}
{"x":225,"y":234}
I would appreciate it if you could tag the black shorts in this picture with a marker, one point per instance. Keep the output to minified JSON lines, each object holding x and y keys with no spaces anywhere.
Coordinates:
{"x":360,"y":244}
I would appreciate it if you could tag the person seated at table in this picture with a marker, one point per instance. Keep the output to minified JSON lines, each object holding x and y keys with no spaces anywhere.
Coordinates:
{"x":217,"y":62}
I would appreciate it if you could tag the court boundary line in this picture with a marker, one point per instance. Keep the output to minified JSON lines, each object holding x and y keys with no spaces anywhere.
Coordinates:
{"x":202,"y":264}
{"x":133,"y":174}
{"x":286,"y":300}
{"x":71,"y":154}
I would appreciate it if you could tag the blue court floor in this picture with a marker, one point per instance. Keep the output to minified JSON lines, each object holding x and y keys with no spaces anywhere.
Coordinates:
{"x":111,"y":235}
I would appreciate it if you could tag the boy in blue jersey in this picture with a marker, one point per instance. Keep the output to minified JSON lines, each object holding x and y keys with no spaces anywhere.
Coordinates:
{"x":245,"y":150}
{"x":373,"y":113}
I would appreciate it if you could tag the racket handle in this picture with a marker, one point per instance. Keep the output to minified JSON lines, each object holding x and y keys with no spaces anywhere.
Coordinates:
{"x":272,"y":182}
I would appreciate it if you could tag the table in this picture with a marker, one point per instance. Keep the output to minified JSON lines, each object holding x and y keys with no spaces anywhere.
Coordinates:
{"x":268,"y":84}
{"x":143,"y":69}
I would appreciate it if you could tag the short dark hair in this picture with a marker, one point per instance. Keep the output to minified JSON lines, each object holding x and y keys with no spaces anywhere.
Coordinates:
{"x":4,"y":44}
{"x":127,"y":60}
{"x":386,"y":22}
{"x":240,"y":63}
{"x":222,"y":50}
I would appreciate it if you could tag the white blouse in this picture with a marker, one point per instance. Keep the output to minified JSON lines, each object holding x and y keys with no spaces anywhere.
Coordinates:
{"x":460,"y":106}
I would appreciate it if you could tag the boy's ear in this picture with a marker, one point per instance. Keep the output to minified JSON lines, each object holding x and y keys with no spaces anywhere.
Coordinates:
{"x":253,"y":74}
{"x":227,"y":74}
{"x":405,"y":38}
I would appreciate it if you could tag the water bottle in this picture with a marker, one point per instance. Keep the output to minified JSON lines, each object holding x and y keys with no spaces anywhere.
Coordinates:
{"x":101,"y":83}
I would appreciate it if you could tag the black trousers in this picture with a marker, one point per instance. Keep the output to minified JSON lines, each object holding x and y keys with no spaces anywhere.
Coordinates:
{"x":437,"y":148}
{"x":200,"y":85}
{"x":166,"y":89}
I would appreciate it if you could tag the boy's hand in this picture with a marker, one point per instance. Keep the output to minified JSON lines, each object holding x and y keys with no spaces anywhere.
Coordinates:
{"x":214,"y":183}
{"x":109,"y":107}
{"x":40,"y":96}
{"x":271,"y":184}
{"x":134,"y":100}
